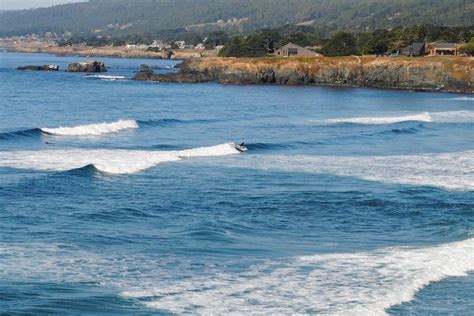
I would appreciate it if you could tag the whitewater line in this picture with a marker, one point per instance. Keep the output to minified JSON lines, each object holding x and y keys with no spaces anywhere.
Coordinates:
{"x":361,"y":283}
{"x":92,"y":129}
{"x":429,"y":117}
{"x":115,"y":161}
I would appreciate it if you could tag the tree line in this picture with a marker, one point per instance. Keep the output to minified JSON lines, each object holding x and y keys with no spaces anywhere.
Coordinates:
{"x":344,"y":43}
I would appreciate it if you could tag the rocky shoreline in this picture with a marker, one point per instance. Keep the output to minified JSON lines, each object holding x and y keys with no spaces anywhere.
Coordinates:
{"x":115,"y":52}
{"x":453,"y":74}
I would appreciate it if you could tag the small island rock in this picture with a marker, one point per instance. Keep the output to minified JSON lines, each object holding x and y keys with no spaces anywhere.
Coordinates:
{"x":145,"y":75}
{"x":40,"y":68}
{"x":87,"y":66}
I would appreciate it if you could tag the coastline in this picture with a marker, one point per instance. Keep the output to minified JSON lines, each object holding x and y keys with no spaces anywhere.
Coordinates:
{"x":439,"y":73}
{"x":443,"y":73}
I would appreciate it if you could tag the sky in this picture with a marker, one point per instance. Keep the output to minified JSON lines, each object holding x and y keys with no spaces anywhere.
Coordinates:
{"x":28,"y":4}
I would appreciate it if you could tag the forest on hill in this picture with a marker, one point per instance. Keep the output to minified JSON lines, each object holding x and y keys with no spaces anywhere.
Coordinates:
{"x":163,"y":18}
{"x":377,"y":42}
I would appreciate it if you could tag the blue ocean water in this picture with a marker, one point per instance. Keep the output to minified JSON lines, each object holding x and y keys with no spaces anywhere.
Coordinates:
{"x":124,"y":197}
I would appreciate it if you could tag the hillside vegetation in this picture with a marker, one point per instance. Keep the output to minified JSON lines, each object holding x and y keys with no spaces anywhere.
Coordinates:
{"x":342,"y":43}
{"x":158,"y":18}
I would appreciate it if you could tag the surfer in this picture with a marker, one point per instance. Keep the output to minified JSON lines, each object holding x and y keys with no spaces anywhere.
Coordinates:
{"x":242,"y":148}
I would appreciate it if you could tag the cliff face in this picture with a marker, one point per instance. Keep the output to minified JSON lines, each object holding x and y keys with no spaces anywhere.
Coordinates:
{"x":427,"y":73}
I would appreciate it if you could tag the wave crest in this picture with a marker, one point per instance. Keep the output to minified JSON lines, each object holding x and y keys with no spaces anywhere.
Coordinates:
{"x":92,"y":129}
{"x":22,"y":133}
{"x":120,"y":161}
{"x":421,"y":117}
{"x":108,"y":77}
{"x":434,"y":117}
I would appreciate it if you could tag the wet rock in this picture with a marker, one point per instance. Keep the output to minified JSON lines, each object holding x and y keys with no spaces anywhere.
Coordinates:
{"x":87,"y":66}
{"x":40,"y":68}
{"x":150,"y":75}
{"x":145,"y":75}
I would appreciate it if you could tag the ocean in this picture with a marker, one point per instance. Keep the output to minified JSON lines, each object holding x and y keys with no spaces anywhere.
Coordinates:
{"x":125,"y":197}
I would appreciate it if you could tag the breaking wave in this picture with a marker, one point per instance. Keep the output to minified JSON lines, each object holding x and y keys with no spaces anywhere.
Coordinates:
{"x":119,"y":161}
{"x":23,"y":133}
{"x":108,"y":77}
{"x":92,"y":129}
{"x":452,"y":171}
{"x":463,"y":99}
{"x":436,"y":117}
{"x":96,"y":129}
{"x":361,"y":283}
{"x":453,"y":117}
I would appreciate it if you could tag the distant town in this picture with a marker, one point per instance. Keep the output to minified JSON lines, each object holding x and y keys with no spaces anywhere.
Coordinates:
{"x":283,"y":42}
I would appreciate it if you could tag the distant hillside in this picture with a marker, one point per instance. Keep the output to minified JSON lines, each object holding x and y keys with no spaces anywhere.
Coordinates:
{"x":124,"y":17}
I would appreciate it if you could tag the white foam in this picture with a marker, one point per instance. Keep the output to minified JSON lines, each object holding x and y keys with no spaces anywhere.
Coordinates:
{"x":436,"y":117}
{"x":421,"y":117}
{"x":453,"y":117}
{"x":454,"y":171}
{"x":118,"y":161}
{"x":92,"y":129}
{"x":360,"y":283}
{"x":463,"y":99}
{"x":108,"y":77}
{"x":343,"y":283}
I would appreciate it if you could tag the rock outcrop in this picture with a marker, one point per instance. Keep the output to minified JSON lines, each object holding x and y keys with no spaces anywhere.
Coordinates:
{"x":150,"y":75}
{"x":145,"y":75}
{"x":87,"y":66}
{"x":40,"y":68}
{"x":425,"y":73}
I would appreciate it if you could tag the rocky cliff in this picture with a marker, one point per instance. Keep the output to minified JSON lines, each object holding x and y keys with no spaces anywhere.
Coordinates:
{"x":424,"y":73}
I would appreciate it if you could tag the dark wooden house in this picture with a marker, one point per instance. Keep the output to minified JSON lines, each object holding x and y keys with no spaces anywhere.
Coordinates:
{"x":415,"y":49}
{"x":293,"y":50}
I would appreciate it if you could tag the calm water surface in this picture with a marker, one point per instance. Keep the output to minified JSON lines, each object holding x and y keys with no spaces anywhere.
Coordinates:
{"x":123,"y":197}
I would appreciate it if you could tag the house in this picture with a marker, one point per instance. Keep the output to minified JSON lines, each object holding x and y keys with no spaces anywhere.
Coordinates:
{"x":155,"y":44}
{"x":293,"y":50}
{"x":443,"y":48}
{"x":200,"y":46}
{"x":415,"y":49}
{"x":180,"y":44}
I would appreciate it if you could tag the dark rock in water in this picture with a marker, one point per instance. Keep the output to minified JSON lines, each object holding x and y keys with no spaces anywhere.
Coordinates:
{"x":144,"y":67}
{"x":145,"y":75}
{"x":150,"y":75}
{"x":87,"y":66}
{"x":155,"y":67}
{"x":180,"y":65}
{"x":41,"y":68}
{"x":186,"y":75}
